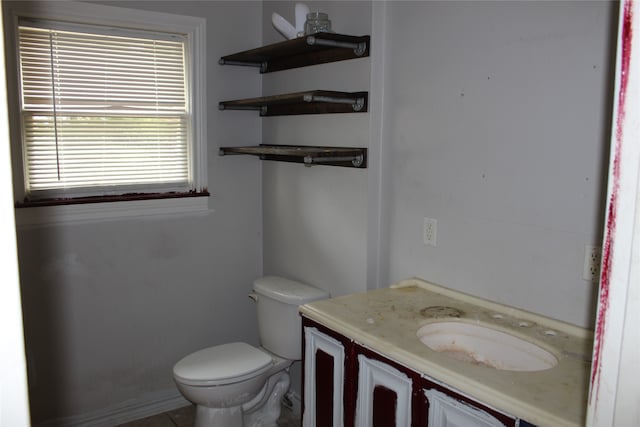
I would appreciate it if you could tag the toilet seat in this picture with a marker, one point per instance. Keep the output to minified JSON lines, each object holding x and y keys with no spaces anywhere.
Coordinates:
{"x":222,"y":364}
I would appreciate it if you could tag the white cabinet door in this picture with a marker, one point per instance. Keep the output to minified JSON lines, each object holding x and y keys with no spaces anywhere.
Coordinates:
{"x":374,"y":374}
{"x":445,"y":411}
{"x":323,"y":357}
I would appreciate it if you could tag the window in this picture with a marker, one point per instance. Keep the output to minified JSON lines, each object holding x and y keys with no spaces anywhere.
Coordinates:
{"x":100,"y":112}
{"x":110,"y":109}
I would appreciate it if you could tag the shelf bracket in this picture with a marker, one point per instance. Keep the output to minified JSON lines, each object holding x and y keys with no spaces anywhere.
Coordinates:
{"x":261,"y":108}
{"x":356,"y":103}
{"x":356,"y":161}
{"x":307,"y":155}
{"x":260,"y":65}
{"x":358,"y":48}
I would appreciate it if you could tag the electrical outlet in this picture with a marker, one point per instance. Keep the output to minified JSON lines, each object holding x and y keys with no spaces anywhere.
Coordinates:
{"x":592,"y":259}
{"x":430,"y":231}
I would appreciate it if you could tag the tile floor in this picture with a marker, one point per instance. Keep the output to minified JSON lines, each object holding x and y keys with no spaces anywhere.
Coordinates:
{"x":184,"y":417}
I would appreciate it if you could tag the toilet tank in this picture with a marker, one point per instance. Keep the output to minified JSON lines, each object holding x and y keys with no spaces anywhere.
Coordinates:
{"x":279,"y":324}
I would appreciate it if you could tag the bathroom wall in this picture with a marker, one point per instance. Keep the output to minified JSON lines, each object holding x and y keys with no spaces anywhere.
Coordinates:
{"x":496,"y":123}
{"x":491,"y":117}
{"x":315,"y":218}
{"x":109,"y":307}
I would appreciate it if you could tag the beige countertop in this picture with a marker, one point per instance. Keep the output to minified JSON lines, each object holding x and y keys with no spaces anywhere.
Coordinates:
{"x":386,"y":321}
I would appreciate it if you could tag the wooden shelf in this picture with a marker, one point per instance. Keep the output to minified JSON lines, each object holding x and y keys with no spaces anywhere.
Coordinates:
{"x":303,"y":51}
{"x":310,"y":102}
{"x":330,"y":156}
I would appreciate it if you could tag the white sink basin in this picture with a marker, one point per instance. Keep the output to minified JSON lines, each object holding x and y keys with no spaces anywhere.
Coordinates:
{"x":484,"y":346}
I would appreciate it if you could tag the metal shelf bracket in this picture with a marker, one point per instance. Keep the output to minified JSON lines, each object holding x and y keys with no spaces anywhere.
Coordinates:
{"x":356,"y":103}
{"x":309,"y":156}
{"x":358,"y":48}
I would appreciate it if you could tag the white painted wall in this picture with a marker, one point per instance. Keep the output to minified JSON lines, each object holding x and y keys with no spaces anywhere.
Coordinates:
{"x":109,"y":307}
{"x":315,"y":219}
{"x":491,"y":117}
{"x":496,"y":116}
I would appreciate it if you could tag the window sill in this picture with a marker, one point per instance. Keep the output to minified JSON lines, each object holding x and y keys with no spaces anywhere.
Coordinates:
{"x":61,"y":213}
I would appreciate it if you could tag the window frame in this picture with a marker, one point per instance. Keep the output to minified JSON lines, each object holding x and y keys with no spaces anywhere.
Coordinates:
{"x":92,"y":14}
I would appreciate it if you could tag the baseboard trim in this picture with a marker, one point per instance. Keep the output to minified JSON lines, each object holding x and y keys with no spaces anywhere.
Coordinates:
{"x":151,"y":404}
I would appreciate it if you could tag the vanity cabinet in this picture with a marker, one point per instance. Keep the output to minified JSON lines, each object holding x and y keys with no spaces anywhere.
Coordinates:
{"x":347,"y":384}
{"x":447,"y":408}
{"x":325,"y":380}
{"x":383,"y":394}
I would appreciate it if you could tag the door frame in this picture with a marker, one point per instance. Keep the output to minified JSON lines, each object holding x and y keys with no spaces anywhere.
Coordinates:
{"x":613,"y":393}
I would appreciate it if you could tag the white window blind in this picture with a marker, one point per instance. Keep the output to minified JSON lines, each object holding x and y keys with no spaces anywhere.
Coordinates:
{"x":103,"y":113}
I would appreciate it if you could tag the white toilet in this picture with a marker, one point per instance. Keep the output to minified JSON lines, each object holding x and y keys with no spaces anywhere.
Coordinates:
{"x":238,"y":385}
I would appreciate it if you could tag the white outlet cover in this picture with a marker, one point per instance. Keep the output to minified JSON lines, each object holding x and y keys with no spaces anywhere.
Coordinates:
{"x":592,"y":260}
{"x":430,"y":231}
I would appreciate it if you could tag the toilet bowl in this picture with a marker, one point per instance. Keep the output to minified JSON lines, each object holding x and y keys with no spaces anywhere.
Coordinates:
{"x":237,"y":384}
{"x":230,"y":382}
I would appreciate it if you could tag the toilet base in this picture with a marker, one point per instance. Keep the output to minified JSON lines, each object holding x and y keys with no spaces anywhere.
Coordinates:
{"x":218,"y":417}
{"x":266,"y":408}
{"x":261,"y":411}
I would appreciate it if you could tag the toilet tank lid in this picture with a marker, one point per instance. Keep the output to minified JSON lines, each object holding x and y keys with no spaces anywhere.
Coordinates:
{"x":288,"y":291}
